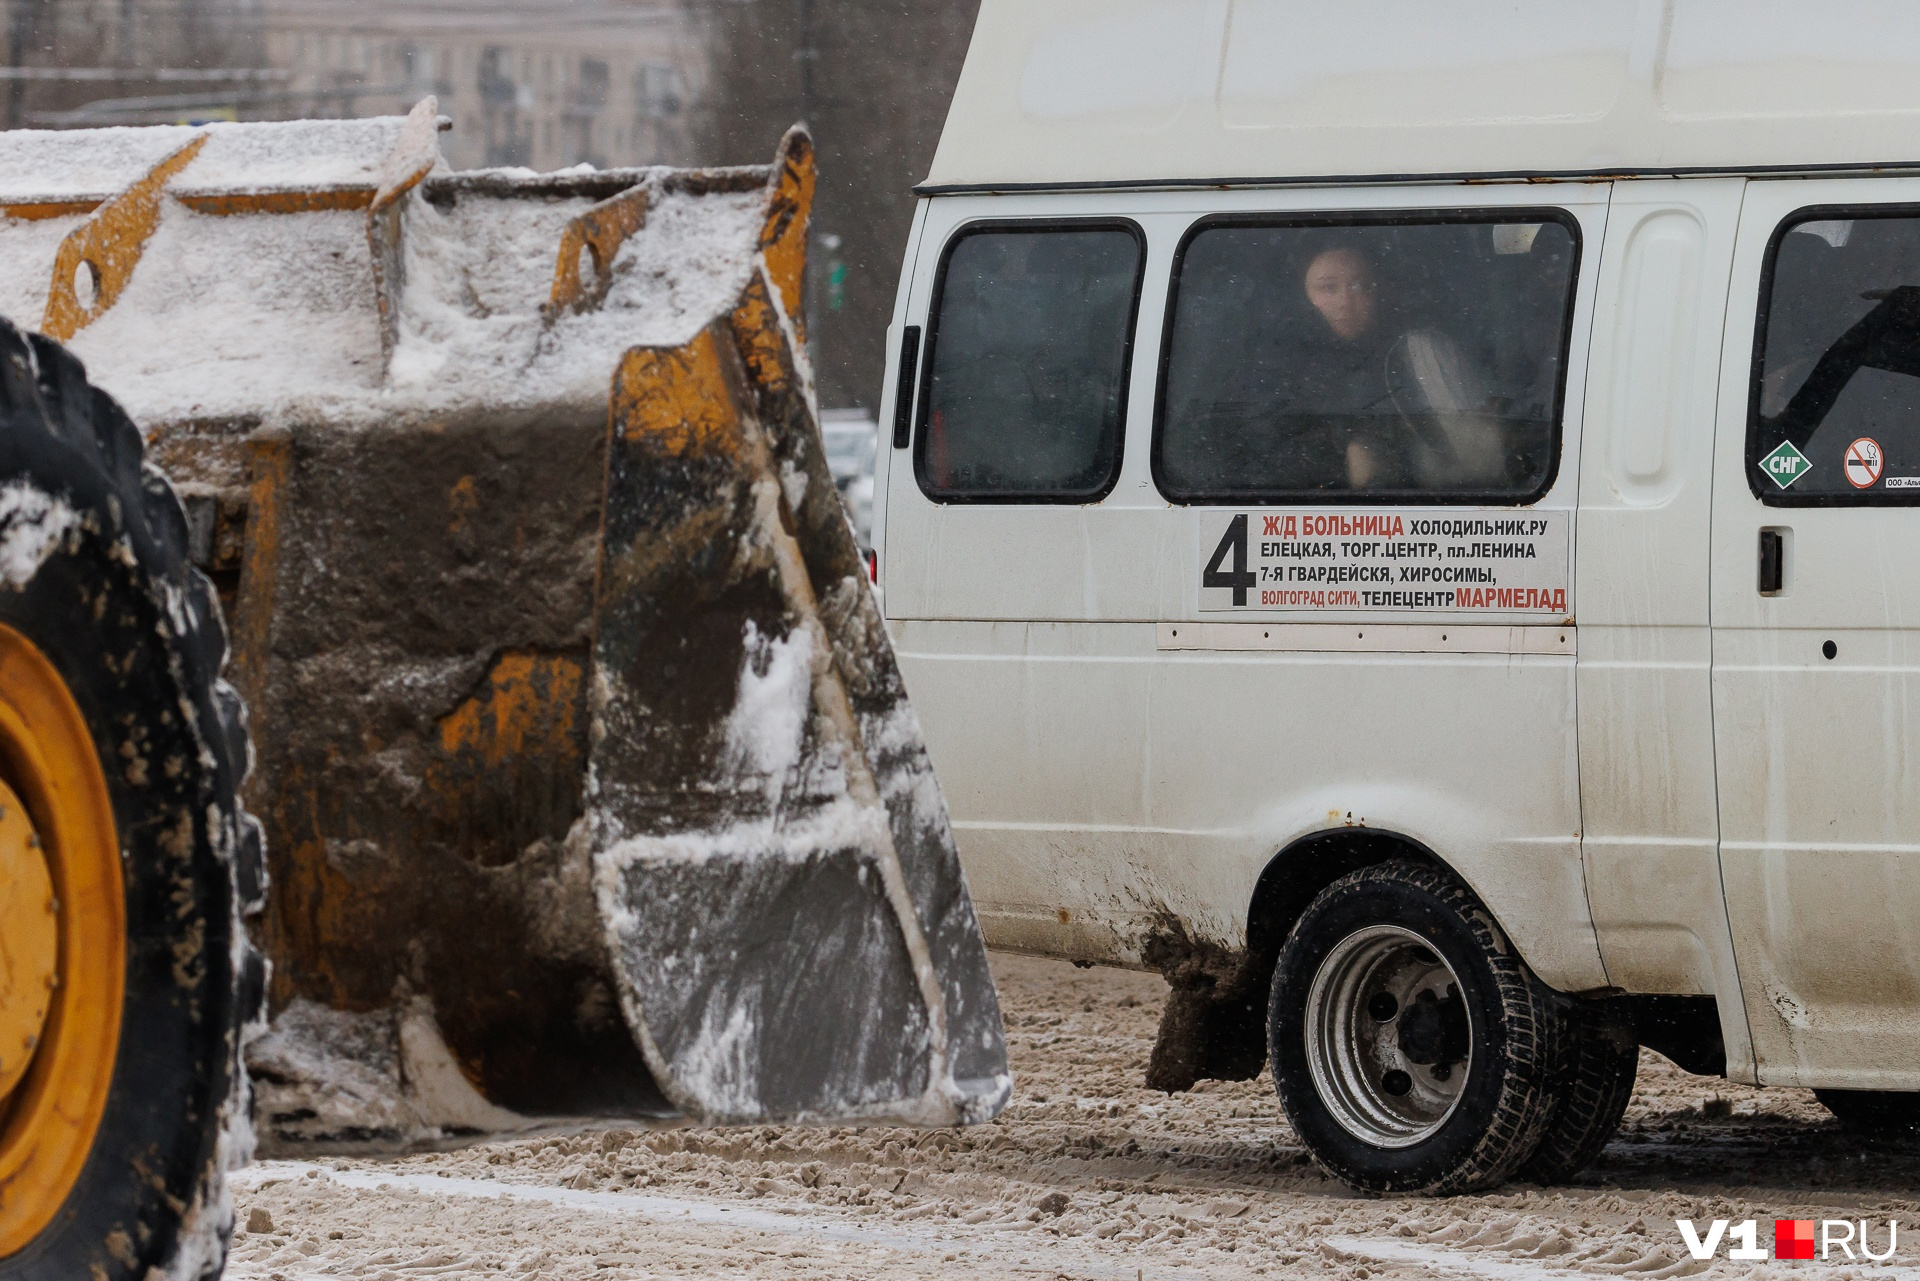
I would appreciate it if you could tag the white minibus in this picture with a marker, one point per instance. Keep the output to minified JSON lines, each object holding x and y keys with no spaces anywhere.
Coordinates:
{"x":1401,"y":516}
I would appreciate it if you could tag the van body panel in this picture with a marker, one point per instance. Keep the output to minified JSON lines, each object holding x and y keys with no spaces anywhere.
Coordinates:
{"x":1041,"y":563}
{"x":891,"y":393}
{"x":1106,"y":789}
{"x":1100,"y":797}
{"x":1088,"y":92}
{"x":1649,"y":804}
{"x":1818,"y":757}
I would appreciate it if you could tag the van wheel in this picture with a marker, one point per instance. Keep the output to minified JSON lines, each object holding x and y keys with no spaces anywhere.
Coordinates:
{"x":125,"y":859}
{"x":1603,"y":1058}
{"x":1876,"y":1113}
{"x":1412,"y":1049}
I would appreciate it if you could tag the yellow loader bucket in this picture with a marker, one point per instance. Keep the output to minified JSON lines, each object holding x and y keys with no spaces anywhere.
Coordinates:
{"x":588,"y":779}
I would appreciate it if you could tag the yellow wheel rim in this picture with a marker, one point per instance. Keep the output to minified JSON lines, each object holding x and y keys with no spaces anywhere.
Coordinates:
{"x":56,"y":835}
{"x":29,"y":942}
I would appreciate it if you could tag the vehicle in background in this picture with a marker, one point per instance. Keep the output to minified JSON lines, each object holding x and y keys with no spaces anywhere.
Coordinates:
{"x":851,"y":439}
{"x":1398,"y":522}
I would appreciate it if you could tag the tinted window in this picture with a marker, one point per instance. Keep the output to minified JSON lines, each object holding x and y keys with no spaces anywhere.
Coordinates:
{"x":1415,"y":360}
{"x":1027,"y":355}
{"x":1834,"y":415}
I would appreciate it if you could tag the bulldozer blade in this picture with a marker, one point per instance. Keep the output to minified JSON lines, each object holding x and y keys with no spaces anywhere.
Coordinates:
{"x":383,"y":391}
{"x":790,"y":928}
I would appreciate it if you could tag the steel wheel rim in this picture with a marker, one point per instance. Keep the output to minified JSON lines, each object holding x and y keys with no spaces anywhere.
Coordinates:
{"x":51,"y":1117}
{"x":1354,"y":1054}
{"x":29,"y":943}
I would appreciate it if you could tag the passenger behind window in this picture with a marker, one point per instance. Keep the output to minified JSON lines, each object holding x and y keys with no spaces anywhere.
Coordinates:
{"x":1355,"y":368}
{"x":1388,"y":360}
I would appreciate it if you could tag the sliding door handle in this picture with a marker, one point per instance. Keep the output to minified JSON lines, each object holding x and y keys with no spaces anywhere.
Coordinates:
{"x":1773,"y":562}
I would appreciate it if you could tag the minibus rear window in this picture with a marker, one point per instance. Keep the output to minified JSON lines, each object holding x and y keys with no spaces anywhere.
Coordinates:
{"x":1031,"y":332}
{"x":1833,"y":415}
{"x":1417,"y":358}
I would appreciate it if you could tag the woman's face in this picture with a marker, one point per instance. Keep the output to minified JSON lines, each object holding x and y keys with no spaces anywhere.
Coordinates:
{"x":1340,"y":287}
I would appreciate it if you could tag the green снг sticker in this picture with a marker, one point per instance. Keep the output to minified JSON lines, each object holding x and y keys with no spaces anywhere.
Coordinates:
{"x":1786,"y":464}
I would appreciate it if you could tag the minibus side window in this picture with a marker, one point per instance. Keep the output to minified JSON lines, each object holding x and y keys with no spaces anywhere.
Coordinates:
{"x":1030,"y":335}
{"x":1833,"y":414}
{"x":1417,"y":358}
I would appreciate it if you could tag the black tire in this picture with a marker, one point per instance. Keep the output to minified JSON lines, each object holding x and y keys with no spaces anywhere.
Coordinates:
{"x":135,"y":634}
{"x":1603,"y":1056}
{"x":1511,"y":1031}
{"x":1874,"y":1114}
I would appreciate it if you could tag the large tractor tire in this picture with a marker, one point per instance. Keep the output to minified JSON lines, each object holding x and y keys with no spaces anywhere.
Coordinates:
{"x":126,"y":977}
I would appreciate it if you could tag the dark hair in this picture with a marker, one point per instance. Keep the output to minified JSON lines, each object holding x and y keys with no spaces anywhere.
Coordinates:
{"x":1334,"y":242}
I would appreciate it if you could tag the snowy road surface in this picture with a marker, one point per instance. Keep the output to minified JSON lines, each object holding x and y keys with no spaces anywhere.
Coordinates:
{"x":1086,"y":1175}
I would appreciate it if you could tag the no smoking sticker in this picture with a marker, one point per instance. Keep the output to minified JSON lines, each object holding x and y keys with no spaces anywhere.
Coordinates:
{"x":1863,"y":462}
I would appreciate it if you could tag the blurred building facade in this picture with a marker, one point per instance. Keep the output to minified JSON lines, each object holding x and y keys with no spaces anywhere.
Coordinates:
{"x":547,"y":84}
{"x":543,"y":86}
{"x":540,"y":85}
{"x":150,"y":59}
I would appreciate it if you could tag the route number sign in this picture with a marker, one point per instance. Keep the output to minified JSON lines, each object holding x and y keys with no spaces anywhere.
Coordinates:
{"x":1469,"y":564}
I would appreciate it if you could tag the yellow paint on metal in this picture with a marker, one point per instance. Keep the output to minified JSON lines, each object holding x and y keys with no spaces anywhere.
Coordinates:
{"x":590,"y":241}
{"x":678,"y":398}
{"x":292,"y":200}
{"x":783,"y":237}
{"x":755,"y":320}
{"x":525,"y":708}
{"x":759,"y":338}
{"x":270,"y":465}
{"x":39,"y":210}
{"x":47,"y":756}
{"x":107,"y":246}
{"x":216,"y":203}
{"x":597,"y":234}
{"x":29,"y":941}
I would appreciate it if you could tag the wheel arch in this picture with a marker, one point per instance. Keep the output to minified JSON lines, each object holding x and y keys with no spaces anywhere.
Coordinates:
{"x":1534,"y":912}
{"x":1215,"y":1022}
{"x":1305,"y":866}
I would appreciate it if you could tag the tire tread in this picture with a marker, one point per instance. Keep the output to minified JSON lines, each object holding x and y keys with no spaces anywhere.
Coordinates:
{"x":1603,"y":1058}
{"x":1533,"y":1037}
{"x":74,"y":435}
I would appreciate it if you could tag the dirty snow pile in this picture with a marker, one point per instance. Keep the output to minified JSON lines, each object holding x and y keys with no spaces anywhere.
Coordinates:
{"x":471,"y":327}
{"x":71,"y":164}
{"x":262,"y":317}
{"x":382,"y":1077}
{"x":93,"y":164}
{"x":225,"y":317}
